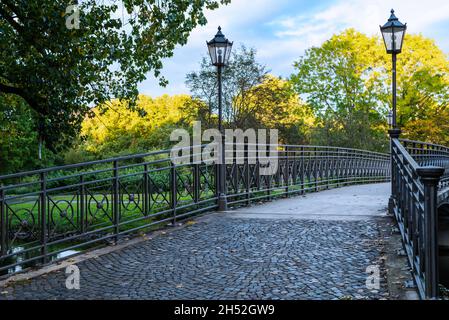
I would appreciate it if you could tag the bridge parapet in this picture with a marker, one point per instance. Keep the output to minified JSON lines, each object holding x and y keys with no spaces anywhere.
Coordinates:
{"x":428,"y":154}
{"x":47,"y":212}
{"x":419,"y":178}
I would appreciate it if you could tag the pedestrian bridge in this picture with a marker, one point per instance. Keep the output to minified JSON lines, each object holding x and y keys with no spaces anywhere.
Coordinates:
{"x":51,"y":213}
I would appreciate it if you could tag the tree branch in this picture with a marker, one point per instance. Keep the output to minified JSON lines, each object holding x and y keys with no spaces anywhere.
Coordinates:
{"x":21,"y":93}
{"x":10,"y":89}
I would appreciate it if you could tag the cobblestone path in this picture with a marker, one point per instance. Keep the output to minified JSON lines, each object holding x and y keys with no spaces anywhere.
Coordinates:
{"x":222,"y":256}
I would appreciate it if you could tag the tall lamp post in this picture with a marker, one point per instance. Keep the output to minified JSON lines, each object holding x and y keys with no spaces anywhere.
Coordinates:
{"x":393,"y":33}
{"x":220,"y":51}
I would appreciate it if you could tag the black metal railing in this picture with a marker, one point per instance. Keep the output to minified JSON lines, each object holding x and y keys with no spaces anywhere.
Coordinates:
{"x":47,"y":214}
{"x":419,"y":173}
{"x":302,"y":169}
{"x":51,"y":213}
{"x":427,"y":154}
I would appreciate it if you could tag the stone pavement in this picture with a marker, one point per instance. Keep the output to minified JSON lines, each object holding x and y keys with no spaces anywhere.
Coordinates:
{"x":293,"y":252}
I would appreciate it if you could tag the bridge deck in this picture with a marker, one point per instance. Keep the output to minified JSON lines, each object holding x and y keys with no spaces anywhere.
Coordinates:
{"x":343,"y":204}
{"x":313,"y":247}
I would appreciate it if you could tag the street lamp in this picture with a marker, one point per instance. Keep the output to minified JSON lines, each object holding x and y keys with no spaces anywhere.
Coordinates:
{"x":393,"y":33}
{"x":220,"y":51}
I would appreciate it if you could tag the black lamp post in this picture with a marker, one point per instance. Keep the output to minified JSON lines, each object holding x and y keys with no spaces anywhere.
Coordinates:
{"x":220,"y":51}
{"x":393,"y":33}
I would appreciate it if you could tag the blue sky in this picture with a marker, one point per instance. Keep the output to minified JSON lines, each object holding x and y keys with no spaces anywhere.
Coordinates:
{"x":281,"y":30}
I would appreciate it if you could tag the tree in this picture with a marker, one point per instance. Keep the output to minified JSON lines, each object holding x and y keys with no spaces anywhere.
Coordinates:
{"x":120,"y":130}
{"x":60,"y":71}
{"x":340,"y":81}
{"x":18,"y":137}
{"x":252,"y":98}
{"x":274,"y":104}
{"x":423,"y":90}
{"x":347,"y":83}
{"x":242,"y":74}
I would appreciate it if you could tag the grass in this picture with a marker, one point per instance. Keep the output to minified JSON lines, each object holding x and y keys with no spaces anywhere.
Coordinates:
{"x":63,"y":210}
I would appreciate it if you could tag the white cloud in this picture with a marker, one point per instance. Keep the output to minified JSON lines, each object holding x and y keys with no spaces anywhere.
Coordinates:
{"x":295,"y":33}
{"x":233,"y":18}
{"x":363,"y":15}
{"x":289,"y":28}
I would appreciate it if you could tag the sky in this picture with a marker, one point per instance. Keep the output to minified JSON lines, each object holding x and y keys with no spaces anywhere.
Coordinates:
{"x":281,"y":31}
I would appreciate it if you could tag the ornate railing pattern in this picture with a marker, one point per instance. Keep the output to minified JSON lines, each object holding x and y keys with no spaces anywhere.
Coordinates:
{"x":427,"y":154}
{"x":419,"y":173}
{"x":304,"y":169}
{"x":47,"y":213}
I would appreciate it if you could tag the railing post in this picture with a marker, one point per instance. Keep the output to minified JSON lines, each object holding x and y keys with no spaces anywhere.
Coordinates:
{"x":302,"y":171}
{"x":430,"y":176}
{"x":43,"y":216}
{"x":116,"y":201}
{"x":294,"y":168}
{"x":257,"y":168}
{"x":248,"y":174}
{"x":315,"y":168}
{"x":222,"y":197}
{"x":337,"y":167}
{"x":327,"y":168}
{"x":196,"y":182}
{"x":3,"y":222}
{"x":146,"y":193}
{"x":269,"y":178}
{"x":394,"y":134}
{"x":235,"y":170}
{"x":173,"y":191}
{"x":287,"y":172}
{"x":82,"y":205}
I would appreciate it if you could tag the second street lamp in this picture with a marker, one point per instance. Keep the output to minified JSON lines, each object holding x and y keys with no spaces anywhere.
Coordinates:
{"x":390,"y":119}
{"x":220,"y":51}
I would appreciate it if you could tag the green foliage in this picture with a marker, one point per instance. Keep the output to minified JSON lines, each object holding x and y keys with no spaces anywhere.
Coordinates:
{"x":274,"y":104}
{"x":242,"y":74}
{"x":61,"y":71}
{"x":251,"y":97}
{"x":118,"y":130}
{"x":339,"y":95}
{"x":18,"y":137}
{"x":340,"y":81}
{"x":423,"y":90}
{"x":347,"y":83}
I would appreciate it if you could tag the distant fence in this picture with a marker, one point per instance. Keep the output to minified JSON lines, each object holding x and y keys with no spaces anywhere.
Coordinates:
{"x":51,"y":213}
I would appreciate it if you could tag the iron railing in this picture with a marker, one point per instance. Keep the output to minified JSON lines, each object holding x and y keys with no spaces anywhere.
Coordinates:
{"x":302,"y":169}
{"x":47,"y":214}
{"x":427,"y":154}
{"x":418,"y":175}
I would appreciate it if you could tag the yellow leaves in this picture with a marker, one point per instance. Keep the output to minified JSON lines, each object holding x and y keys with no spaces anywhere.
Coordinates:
{"x":274,"y":104}
{"x":115,"y":123}
{"x":433,"y":130}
